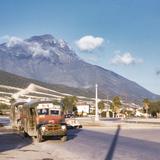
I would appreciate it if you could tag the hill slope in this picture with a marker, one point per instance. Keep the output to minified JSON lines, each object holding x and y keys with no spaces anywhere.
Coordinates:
{"x":11,"y":83}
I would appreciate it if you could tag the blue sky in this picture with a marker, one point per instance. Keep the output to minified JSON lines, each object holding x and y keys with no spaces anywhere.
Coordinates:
{"x":119,"y":35}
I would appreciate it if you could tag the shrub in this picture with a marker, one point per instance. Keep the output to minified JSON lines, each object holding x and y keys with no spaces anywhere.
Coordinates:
{"x":103,"y":114}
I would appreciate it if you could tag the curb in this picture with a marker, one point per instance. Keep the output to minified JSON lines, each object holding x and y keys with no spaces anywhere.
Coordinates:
{"x":123,"y":124}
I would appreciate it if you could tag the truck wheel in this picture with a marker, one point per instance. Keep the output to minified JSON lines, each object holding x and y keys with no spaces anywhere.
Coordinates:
{"x":64,"y":138}
{"x":25,"y":134}
{"x":80,"y":126}
{"x":39,"y":136}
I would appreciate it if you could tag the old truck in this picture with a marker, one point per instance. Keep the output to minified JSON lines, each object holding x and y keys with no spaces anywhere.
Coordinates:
{"x":40,"y":119}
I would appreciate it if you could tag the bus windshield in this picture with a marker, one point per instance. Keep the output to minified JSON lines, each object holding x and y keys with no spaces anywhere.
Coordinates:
{"x":54,"y":112}
{"x":44,"y":111}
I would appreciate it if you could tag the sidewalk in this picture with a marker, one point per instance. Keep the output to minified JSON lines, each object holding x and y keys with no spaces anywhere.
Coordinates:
{"x":143,"y":120}
{"x":126,"y":123}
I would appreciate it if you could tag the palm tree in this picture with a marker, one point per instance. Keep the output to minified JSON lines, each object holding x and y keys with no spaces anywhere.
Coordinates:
{"x":115,"y":105}
{"x":101,"y":105}
{"x":69,"y":103}
{"x":146,"y":103}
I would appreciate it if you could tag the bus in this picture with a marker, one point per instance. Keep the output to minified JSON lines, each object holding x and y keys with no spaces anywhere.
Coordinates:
{"x":40,"y":119}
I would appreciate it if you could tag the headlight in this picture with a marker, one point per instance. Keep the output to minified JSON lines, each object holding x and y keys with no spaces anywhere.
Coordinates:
{"x":43,"y":128}
{"x":63,"y":127}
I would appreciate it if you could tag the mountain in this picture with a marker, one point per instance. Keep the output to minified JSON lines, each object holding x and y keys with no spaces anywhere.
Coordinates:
{"x":49,"y":60}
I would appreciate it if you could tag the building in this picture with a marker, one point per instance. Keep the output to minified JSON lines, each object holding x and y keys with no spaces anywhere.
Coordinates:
{"x":83,"y":109}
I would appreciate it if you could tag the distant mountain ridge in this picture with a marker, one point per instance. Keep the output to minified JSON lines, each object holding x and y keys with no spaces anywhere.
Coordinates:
{"x":49,"y":60}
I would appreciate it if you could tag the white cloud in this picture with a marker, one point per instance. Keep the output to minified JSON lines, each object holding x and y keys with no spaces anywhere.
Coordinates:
{"x":89,"y":43}
{"x":125,"y":59}
{"x":37,"y":50}
{"x":12,"y":41}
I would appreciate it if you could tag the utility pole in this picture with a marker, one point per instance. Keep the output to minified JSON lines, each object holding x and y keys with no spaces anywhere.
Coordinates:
{"x":96,"y":104}
{"x":108,"y":108}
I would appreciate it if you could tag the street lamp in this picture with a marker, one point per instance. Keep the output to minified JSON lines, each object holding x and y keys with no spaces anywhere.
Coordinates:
{"x":96,"y":104}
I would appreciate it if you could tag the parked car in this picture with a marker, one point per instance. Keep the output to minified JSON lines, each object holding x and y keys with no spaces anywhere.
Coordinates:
{"x":72,"y":123}
{"x":69,"y":115}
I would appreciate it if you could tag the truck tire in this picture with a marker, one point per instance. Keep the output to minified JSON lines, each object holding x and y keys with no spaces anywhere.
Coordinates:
{"x":64,"y":139}
{"x":80,"y":126}
{"x":25,"y":134}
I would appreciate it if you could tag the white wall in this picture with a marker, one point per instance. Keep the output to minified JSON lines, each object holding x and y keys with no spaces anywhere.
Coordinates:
{"x":84,"y":108}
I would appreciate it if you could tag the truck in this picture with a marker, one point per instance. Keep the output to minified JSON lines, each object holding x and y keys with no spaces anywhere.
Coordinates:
{"x":39,"y":119}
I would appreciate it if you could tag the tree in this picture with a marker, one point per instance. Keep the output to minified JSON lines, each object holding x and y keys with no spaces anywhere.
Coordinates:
{"x":101,"y":106}
{"x":154,"y":108}
{"x":146,"y":103}
{"x":115,"y":105}
{"x":56,"y":102}
{"x":69,"y":103}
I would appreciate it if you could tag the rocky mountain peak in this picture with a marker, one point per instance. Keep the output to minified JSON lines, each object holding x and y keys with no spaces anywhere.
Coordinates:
{"x":46,"y":38}
{"x":42,"y":46}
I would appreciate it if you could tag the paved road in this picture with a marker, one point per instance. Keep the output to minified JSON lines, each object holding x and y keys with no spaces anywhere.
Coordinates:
{"x":97,"y":143}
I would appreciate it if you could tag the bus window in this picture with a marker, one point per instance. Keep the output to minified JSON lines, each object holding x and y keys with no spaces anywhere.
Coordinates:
{"x":54,"y":112}
{"x":43,"y":111}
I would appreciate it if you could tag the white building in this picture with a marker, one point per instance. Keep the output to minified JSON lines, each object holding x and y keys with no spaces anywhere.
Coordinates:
{"x":83,"y":109}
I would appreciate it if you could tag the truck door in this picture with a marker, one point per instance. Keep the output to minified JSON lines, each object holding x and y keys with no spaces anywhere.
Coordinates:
{"x":32,"y":122}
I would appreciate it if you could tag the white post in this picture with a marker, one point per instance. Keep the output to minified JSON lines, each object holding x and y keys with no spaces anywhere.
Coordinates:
{"x":108,"y":108}
{"x":96,"y":104}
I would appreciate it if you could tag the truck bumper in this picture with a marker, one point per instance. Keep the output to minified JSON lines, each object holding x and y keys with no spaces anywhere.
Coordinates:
{"x":54,"y":130}
{"x":54,"y":133}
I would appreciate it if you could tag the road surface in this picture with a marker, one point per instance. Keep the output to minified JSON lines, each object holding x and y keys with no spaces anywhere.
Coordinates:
{"x":99,"y":143}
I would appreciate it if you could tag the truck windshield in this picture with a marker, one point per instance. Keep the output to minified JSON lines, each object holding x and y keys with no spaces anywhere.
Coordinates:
{"x":44,"y":111}
{"x":54,"y":112}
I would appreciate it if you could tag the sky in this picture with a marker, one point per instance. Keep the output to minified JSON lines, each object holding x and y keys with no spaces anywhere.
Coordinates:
{"x":119,"y":35}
